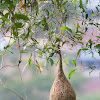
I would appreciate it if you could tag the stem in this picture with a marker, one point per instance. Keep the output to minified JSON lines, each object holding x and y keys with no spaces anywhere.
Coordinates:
{"x":11,"y":90}
{"x":60,"y":58}
{"x":20,"y":71}
{"x":60,"y":37}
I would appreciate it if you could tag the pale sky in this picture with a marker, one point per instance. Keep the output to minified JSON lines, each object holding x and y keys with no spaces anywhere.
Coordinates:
{"x":93,"y":3}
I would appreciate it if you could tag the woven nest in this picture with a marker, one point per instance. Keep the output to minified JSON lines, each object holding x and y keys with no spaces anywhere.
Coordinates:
{"x":62,"y":88}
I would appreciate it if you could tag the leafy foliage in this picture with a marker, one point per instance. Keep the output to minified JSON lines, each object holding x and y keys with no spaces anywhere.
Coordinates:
{"x":29,"y":20}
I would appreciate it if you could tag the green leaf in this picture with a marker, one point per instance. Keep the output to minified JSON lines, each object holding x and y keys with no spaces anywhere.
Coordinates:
{"x":92,"y":15}
{"x":37,"y":8}
{"x":86,"y":29}
{"x":66,"y":62}
{"x":58,"y":3}
{"x":98,"y":37}
{"x":18,"y":25}
{"x":51,"y":60}
{"x":74,"y":2}
{"x":97,"y":46}
{"x":78,"y":36}
{"x":85,"y":49}
{"x":97,"y":9}
{"x":57,"y":40}
{"x":51,"y":54}
{"x":45,"y":24}
{"x":14,"y":31}
{"x":78,"y":53}
{"x":66,"y":28}
{"x":6,"y":15}
{"x":7,"y":47}
{"x":67,"y":38}
{"x":21,"y":16}
{"x":56,"y":63}
{"x":4,"y":5}
{"x":86,"y":16}
{"x":26,"y":36}
{"x":30,"y":60}
{"x":70,"y":74}
{"x":99,"y":52}
{"x":15,"y":2}
{"x":11,"y":5}
{"x":34,"y":40}
{"x":63,"y":9}
{"x":64,"y":42}
{"x":81,"y":5}
{"x":74,"y":62}
{"x":23,"y":51}
{"x":5,"y":19}
{"x":90,"y":43}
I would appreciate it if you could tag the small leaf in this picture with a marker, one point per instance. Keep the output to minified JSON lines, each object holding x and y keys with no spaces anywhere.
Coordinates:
{"x":18,"y":25}
{"x":63,"y":9}
{"x":67,"y":38}
{"x":78,"y":53}
{"x":86,"y":16}
{"x":56,"y":63}
{"x":64,"y":42}
{"x":57,"y":40}
{"x":70,"y":74}
{"x":7,"y":47}
{"x":81,"y":5}
{"x":74,"y":62}
{"x":11,"y":5}
{"x":98,"y":37}
{"x":99,"y":52}
{"x":58,"y":3}
{"x":97,"y":9}
{"x":39,"y":66}
{"x":52,"y":62}
{"x":4,"y":5}
{"x":78,"y":36}
{"x":15,"y":2}
{"x":84,"y":48}
{"x":66,"y":28}
{"x":5,"y":19}
{"x":92,"y":15}
{"x":21,"y":16}
{"x":26,"y":36}
{"x":97,"y":46}
{"x":23,"y":51}
{"x":66,"y":62}
{"x":30,"y":60}
{"x":74,"y":2}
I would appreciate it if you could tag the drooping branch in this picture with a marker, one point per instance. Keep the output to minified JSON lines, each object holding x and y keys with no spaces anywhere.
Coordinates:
{"x":10,"y":90}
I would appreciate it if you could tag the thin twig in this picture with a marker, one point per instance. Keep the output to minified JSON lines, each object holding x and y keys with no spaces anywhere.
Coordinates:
{"x":20,"y":71}
{"x":11,"y":90}
{"x":7,"y":66}
{"x":24,"y":67}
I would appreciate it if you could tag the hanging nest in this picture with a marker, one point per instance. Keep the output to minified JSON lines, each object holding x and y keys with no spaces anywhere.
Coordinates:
{"x":62,"y":88}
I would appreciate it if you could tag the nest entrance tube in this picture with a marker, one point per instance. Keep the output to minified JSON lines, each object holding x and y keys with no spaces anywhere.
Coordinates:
{"x":62,"y":89}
